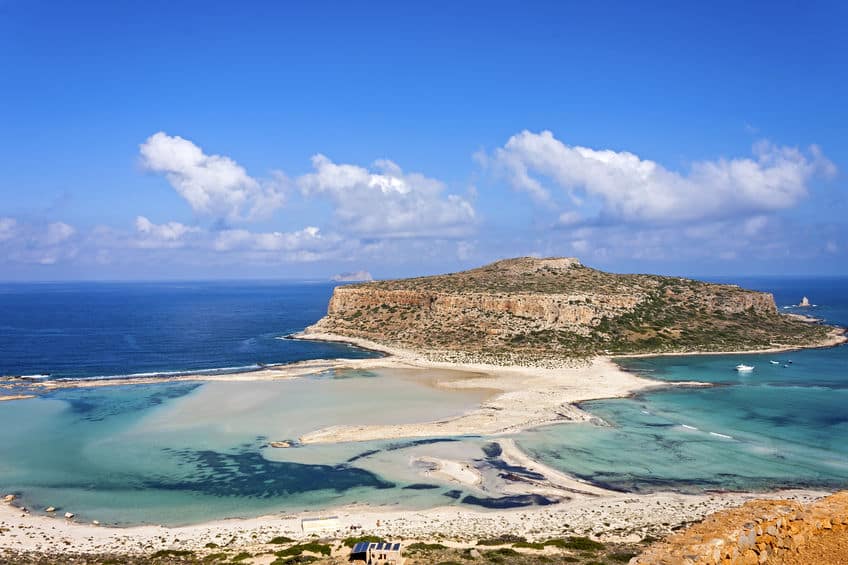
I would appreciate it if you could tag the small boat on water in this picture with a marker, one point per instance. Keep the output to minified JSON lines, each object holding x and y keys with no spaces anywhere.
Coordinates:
{"x":775,"y":362}
{"x":742,"y":368}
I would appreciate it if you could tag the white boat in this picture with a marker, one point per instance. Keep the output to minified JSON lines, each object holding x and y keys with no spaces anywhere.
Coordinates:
{"x":775,"y":362}
{"x":742,"y":368}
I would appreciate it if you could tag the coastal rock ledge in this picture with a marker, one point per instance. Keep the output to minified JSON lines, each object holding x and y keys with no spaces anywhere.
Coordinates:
{"x":763,"y":531}
{"x":528,"y":308}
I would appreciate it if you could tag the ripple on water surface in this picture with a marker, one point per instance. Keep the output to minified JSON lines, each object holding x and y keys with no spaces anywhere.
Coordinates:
{"x":772,"y":429}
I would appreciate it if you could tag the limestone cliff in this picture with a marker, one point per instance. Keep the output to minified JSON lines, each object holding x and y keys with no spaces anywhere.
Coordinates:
{"x":558,"y":307}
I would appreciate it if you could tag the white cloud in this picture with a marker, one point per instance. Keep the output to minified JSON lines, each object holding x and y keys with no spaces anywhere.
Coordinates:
{"x":213,"y":185}
{"x":632,"y":189}
{"x":7,"y":228}
{"x":355,"y":276}
{"x":569,"y":218}
{"x":308,"y":244}
{"x":37,"y":243}
{"x":167,"y":235}
{"x":388,"y":202}
{"x":58,"y":232}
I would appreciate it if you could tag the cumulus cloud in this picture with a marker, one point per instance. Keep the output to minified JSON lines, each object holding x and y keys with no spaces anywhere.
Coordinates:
{"x":387,"y":202}
{"x":213,"y":185}
{"x":167,"y":235}
{"x":628,"y":188}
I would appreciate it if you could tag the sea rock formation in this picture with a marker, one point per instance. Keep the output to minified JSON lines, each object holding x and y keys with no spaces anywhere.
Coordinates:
{"x":763,"y":531}
{"x":558,"y":307}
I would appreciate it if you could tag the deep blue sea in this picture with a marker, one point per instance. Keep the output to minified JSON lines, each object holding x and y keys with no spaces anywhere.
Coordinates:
{"x":108,"y":329}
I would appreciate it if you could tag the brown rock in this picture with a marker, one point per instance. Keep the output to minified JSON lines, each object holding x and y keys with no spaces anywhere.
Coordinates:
{"x":793,"y":535}
{"x":553,"y":308}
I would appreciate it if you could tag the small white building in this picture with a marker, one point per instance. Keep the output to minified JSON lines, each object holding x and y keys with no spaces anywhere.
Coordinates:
{"x":322,"y":524}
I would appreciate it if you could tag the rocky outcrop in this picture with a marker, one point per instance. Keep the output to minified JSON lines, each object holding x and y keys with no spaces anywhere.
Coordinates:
{"x":771,"y":532}
{"x":575,"y":312}
{"x":558,"y":307}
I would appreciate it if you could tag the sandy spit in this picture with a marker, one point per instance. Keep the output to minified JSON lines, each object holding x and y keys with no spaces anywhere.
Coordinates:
{"x":16,"y":397}
{"x":527,"y":396}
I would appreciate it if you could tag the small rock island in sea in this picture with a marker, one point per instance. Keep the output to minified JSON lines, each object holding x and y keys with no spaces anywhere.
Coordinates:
{"x":528,"y":310}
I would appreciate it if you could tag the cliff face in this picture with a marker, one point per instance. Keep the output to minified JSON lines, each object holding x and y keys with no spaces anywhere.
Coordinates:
{"x":572,"y":311}
{"x":557,"y":307}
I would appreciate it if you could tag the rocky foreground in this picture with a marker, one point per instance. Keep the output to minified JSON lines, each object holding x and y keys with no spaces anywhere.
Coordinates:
{"x":763,"y":531}
{"x":519,"y":311}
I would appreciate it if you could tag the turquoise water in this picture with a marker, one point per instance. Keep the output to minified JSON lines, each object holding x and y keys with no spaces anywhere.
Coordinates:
{"x":178,"y":453}
{"x":175,"y":453}
{"x":772,"y":428}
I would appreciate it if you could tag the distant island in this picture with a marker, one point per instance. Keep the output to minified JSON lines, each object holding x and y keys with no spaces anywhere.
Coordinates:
{"x":526,"y":310}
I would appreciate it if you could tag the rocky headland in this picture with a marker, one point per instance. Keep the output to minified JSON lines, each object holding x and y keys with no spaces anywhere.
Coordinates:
{"x":525,"y":310}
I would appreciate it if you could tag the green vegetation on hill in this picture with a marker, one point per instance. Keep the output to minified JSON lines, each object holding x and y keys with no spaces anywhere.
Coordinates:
{"x":530,"y":309}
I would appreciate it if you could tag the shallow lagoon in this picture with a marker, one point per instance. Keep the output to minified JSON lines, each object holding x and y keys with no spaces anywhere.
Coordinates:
{"x":185,"y":452}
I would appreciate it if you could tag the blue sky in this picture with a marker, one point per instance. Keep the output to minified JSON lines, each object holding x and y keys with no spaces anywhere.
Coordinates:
{"x":268,"y":139}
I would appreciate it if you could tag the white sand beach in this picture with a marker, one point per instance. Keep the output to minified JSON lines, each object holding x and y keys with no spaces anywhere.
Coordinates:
{"x":619,"y":517}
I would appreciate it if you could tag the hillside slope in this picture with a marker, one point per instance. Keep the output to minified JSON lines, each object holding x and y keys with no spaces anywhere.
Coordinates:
{"x":543,"y":308}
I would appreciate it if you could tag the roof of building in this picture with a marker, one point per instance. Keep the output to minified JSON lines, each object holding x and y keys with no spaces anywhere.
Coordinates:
{"x":364,"y":546}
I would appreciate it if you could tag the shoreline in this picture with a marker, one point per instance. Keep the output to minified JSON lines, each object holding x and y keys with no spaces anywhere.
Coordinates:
{"x":525,"y":397}
{"x":390,"y":357}
{"x":618,"y":517}
{"x":836,"y":337}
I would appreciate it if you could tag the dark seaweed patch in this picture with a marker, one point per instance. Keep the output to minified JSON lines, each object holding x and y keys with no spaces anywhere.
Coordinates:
{"x":454,"y":494}
{"x":509,"y":501}
{"x":420,"y":486}
{"x":363,"y":455}
{"x":416,"y":442}
{"x":246,"y":473}
{"x":516,"y":470}
{"x":492,"y":449}
{"x":96,"y":406}
{"x":400,"y":445}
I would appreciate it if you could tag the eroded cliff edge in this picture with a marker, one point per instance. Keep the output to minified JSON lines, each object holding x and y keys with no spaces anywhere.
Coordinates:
{"x":543,"y":308}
